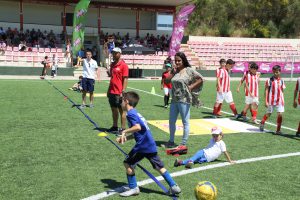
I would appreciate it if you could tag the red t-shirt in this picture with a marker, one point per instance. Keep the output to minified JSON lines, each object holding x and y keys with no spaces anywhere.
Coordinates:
{"x":118,"y":72}
{"x":163,"y":77}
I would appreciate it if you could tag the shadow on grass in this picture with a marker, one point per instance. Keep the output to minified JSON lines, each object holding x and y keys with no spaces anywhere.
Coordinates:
{"x":114,"y":185}
{"x":284,"y":135}
{"x":160,"y":106}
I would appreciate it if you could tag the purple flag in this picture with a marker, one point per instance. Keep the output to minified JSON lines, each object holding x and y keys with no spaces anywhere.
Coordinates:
{"x":178,"y":29}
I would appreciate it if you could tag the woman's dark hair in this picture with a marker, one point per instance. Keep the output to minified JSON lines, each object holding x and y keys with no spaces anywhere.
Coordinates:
{"x":183,"y":58}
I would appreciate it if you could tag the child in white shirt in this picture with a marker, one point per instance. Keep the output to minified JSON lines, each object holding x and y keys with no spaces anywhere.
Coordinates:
{"x":214,"y":149}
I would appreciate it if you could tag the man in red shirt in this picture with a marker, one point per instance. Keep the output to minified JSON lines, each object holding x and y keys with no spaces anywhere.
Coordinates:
{"x":118,"y":84}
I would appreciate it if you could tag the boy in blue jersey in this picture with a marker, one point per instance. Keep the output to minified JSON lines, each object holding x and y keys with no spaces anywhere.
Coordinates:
{"x":145,"y":147}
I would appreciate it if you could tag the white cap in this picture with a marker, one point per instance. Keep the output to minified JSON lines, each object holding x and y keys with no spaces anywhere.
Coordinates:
{"x":216,"y":130}
{"x":117,"y":49}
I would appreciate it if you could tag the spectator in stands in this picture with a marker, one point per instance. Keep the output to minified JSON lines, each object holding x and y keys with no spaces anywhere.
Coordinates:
{"x":2,"y":46}
{"x":118,"y":83}
{"x":47,"y":64}
{"x":184,"y":80}
{"x":95,"y":53}
{"x":80,"y":56}
{"x":223,"y":89}
{"x":2,"y":33}
{"x":68,"y":53}
{"x":22,"y":46}
{"x":111,"y":44}
{"x":106,"y":53}
{"x":54,"y":67}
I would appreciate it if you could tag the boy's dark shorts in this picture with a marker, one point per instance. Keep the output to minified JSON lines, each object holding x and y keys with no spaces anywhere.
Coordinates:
{"x":88,"y":84}
{"x":115,"y":100}
{"x":133,"y":158}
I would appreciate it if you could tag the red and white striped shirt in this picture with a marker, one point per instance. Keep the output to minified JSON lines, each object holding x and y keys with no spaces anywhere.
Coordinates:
{"x":298,"y":88}
{"x":224,"y":80}
{"x":275,"y":89}
{"x":252,"y":81}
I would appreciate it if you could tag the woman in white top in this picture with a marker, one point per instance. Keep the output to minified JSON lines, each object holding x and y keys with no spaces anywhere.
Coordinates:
{"x":214,"y":149}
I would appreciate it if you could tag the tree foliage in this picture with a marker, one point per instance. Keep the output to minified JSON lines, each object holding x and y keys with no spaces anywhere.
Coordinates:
{"x":246,"y":18}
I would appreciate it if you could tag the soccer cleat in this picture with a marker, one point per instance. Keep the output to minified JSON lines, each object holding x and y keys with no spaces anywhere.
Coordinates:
{"x":189,"y":165}
{"x":91,"y":106}
{"x":168,"y":145}
{"x":261,"y":127}
{"x":245,"y":119}
{"x":82,"y":106}
{"x":166,"y":106}
{"x":236,"y":116}
{"x":177,"y":163}
{"x":130,"y":192}
{"x":278,"y":133}
{"x":214,"y":116}
{"x":175,"y":189}
{"x":124,"y":189}
{"x":298,"y":134}
{"x":113,"y":129}
{"x":255,"y":121}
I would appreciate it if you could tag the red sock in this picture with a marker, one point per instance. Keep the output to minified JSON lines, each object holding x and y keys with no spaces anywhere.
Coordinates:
{"x":215,"y":110}
{"x":254,"y":114}
{"x":264,"y":119}
{"x":251,"y":112}
{"x":219,"y":109}
{"x":279,"y":121}
{"x":232,"y":107}
{"x":299,"y":128}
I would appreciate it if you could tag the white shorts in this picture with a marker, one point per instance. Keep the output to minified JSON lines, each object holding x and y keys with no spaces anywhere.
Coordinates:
{"x":279,"y":108}
{"x":167,"y":91}
{"x":227,"y":96}
{"x":251,"y":100}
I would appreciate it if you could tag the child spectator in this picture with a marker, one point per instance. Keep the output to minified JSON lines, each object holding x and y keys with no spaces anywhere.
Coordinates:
{"x":47,"y":64}
{"x":54,"y":67}
{"x":210,"y":153}
{"x":223,"y":89}
{"x":145,"y":147}
{"x":274,"y":98}
{"x":2,"y":46}
{"x":167,"y":87}
{"x":251,"y":92}
{"x":297,"y":104}
{"x":77,"y":86}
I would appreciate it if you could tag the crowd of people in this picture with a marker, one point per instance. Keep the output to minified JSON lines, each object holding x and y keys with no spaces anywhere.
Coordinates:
{"x":30,"y":38}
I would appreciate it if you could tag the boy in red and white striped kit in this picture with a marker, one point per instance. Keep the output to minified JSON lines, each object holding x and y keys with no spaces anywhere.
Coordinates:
{"x":223,"y":89}
{"x":297,"y":103}
{"x":222,"y":64}
{"x":251,"y":92}
{"x":274,"y":98}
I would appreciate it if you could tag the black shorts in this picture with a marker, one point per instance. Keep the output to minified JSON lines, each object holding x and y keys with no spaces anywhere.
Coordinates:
{"x":115,"y":100}
{"x":133,"y":158}
{"x":88,"y":84}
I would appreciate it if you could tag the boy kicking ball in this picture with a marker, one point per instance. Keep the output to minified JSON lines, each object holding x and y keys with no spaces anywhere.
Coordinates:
{"x":274,"y":98}
{"x":145,"y":147}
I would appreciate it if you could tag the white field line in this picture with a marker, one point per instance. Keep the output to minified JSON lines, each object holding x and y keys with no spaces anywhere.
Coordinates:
{"x":184,"y":172}
{"x":291,"y":129}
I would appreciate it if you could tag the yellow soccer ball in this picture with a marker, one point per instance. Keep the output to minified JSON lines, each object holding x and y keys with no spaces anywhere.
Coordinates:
{"x":205,"y":190}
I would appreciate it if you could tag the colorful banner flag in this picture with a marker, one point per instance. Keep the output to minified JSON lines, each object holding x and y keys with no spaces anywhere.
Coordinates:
{"x":78,"y":24}
{"x":178,"y":29}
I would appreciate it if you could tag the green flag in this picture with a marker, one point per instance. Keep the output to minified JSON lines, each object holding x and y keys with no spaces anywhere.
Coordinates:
{"x":78,"y":24}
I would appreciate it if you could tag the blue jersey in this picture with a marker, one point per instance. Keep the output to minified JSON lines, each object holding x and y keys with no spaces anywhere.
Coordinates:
{"x":143,"y":138}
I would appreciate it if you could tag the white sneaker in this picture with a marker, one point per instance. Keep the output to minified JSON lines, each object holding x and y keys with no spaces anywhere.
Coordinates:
{"x":131,"y":192}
